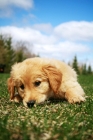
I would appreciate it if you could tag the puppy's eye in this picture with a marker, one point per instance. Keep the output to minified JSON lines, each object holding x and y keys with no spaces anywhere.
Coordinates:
{"x":37,"y":83}
{"x":22,"y":87}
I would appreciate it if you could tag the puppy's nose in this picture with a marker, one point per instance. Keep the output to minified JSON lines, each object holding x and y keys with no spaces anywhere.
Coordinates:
{"x":30,"y":103}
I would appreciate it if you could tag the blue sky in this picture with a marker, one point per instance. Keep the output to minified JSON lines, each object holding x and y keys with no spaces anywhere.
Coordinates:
{"x":48,"y":11}
{"x":57,"y":29}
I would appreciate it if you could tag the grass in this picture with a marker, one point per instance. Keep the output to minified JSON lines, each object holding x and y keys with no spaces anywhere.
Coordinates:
{"x":57,"y":120}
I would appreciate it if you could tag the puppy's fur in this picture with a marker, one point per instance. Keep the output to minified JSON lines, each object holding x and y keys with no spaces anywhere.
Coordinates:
{"x":38,"y":79}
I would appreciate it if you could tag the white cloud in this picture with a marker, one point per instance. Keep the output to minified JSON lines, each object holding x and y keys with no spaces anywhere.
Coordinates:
{"x":7,"y":10}
{"x":65,"y":50}
{"x":27,"y":34}
{"x":75,"y":31}
{"x":18,"y":3}
{"x":49,"y":44}
{"x":47,"y":28}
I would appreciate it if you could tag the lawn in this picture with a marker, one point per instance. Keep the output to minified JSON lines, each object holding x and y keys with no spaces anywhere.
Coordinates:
{"x":55,"y":120}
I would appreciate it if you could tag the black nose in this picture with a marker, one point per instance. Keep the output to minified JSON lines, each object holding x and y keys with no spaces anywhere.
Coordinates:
{"x":30,"y":103}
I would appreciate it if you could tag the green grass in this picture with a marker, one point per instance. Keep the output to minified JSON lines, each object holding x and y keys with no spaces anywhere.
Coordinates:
{"x":57,"y":120}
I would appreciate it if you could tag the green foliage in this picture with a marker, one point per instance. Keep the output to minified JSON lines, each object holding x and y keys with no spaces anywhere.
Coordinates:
{"x":10,"y":54}
{"x":75,"y":65}
{"x":89,"y":71}
{"x":55,"y":120}
{"x":19,"y":56}
{"x":3,"y":51}
{"x":7,"y":54}
{"x":84,"y":70}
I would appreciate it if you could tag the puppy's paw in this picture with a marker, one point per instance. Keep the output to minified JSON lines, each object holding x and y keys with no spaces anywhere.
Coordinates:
{"x":76,"y":99}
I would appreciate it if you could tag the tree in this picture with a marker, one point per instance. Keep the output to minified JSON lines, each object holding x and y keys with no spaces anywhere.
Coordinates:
{"x":75,"y":65}
{"x":2,"y":51}
{"x":22,"y":52}
{"x":2,"y":55}
{"x":84,"y":69}
{"x":9,"y":55}
{"x":89,"y":71}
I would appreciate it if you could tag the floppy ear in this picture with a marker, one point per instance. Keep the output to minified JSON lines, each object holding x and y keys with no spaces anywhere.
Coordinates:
{"x":54,"y":76}
{"x":11,"y":87}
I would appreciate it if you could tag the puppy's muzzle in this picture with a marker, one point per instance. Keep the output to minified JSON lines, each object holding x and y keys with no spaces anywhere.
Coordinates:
{"x":31,"y":103}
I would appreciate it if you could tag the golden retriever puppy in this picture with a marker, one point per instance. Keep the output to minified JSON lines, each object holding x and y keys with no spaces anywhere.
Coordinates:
{"x":37,"y":79}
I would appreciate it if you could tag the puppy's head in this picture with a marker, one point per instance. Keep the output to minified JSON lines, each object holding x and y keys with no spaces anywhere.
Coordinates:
{"x":34,"y":83}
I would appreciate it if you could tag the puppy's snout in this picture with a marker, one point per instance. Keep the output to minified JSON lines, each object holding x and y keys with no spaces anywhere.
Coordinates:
{"x":31,"y":103}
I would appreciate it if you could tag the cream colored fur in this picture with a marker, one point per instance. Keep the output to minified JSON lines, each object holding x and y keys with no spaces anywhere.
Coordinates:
{"x":39,"y":79}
